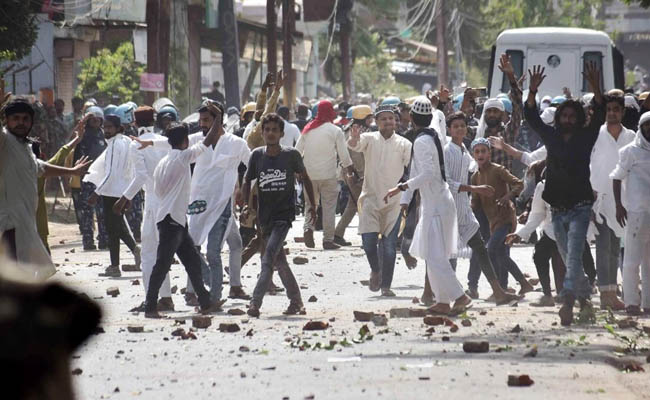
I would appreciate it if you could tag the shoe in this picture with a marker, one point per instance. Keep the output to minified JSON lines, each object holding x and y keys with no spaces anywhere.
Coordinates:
{"x":386,"y":292}
{"x":375,"y":281}
{"x":525,"y":287}
{"x":309,"y":239}
{"x":472,"y":293}
{"x":165,"y":304}
{"x":191,"y":300}
{"x":137,"y":254}
{"x":608,"y":299}
{"x":236,"y":292}
{"x":90,"y":247}
{"x":462,"y":304}
{"x":140,"y":308}
{"x":112,"y":272}
{"x":253,"y":311}
{"x":153,"y":314}
{"x":566,"y":311}
{"x":341,"y":242}
{"x":294,"y":309}
{"x":439,"y":309}
{"x":102,"y":246}
{"x":330,"y":246}
{"x":215,"y":307}
{"x":507,"y":299}
{"x":545,"y":301}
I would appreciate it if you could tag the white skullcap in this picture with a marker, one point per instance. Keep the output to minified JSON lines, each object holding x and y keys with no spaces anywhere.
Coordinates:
{"x":421,"y":105}
{"x":630,"y":101}
{"x":548,"y":116}
{"x":494,"y":103}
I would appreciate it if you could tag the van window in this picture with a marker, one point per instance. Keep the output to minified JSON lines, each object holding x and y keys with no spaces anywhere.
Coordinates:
{"x":517,"y":61}
{"x":597,"y":58}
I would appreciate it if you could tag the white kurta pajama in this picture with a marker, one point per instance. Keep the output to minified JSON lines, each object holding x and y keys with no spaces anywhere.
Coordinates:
{"x":19,"y":170}
{"x":436,"y":235}
{"x":604,"y":157}
{"x":385,"y":160}
{"x":634,"y":170}
{"x":144,"y":164}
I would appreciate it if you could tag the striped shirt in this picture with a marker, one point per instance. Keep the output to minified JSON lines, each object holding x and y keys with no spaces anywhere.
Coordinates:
{"x":457,"y":162}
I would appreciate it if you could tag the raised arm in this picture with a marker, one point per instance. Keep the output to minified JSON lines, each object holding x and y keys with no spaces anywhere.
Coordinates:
{"x":592,"y":74}
{"x":530,"y":109}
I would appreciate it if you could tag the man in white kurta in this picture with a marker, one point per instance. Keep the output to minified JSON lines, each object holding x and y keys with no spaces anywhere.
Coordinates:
{"x":634,"y":169}
{"x":144,"y":164}
{"x":386,"y":155}
{"x":436,"y":235}
{"x":210,"y":212}
{"x":612,"y":137}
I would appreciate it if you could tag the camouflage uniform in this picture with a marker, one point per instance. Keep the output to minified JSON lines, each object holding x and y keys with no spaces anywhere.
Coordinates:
{"x":85,"y":214}
{"x":134,"y":215}
{"x":92,"y":145}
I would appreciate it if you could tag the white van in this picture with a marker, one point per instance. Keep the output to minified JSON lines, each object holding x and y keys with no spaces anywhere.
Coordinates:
{"x":564,"y":53}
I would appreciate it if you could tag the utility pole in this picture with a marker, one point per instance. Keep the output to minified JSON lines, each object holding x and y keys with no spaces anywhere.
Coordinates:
{"x":288,"y":27}
{"x":157,"y":16}
{"x":441,"y":43}
{"x":230,"y":50}
{"x":344,"y":19}
{"x":271,"y":43}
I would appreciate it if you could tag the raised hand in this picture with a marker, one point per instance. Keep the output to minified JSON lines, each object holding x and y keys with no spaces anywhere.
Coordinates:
{"x":496,"y":142}
{"x":268,"y":81}
{"x":592,"y":75}
{"x":444,"y":94}
{"x":506,"y":66}
{"x":279,"y":82}
{"x":536,"y":77}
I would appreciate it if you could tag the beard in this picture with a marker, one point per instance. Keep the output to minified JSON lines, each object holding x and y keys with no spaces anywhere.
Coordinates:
{"x":492,"y":122}
{"x":20,"y":131}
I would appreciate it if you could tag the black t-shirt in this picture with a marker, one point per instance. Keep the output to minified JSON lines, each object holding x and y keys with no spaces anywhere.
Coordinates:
{"x":276,"y":183}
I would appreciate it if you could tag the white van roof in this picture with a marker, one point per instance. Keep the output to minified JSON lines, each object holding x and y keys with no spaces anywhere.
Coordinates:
{"x":553,"y":35}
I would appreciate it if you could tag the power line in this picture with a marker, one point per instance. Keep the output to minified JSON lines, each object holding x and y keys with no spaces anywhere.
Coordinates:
{"x":329,"y":46}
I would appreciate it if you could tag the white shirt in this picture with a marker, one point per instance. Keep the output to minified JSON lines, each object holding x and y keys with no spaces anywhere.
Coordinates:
{"x":213,"y":183}
{"x":291,"y":135}
{"x":385,"y":160}
{"x":319,"y":148}
{"x":172,"y":180}
{"x":113,"y":170}
{"x":457,"y":162}
{"x":437,"y":229}
{"x":604,"y":157}
{"x":439,"y":124}
{"x":540,"y":213}
{"x":144,"y":165}
{"x":529,"y":158}
{"x":634,"y":167}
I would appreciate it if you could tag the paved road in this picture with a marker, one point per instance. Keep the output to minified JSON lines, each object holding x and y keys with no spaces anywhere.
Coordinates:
{"x":263,"y":360}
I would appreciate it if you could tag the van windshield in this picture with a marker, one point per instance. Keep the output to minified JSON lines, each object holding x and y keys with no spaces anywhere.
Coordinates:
{"x":517,"y":61}
{"x":597,"y":58}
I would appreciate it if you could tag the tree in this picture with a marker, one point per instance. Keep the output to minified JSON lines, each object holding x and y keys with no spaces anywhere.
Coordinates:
{"x":111,"y":76}
{"x":18,"y":28}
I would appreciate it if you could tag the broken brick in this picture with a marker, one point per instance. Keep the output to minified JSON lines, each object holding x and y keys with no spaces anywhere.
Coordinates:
{"x":201,"y":321}
{"x":315,"y":326}
{"x":363,"y":316}
{"x":230,"y":328}
{"x":476,"y":347}
{"x":113,"y":291}
{"x":519,"y":380}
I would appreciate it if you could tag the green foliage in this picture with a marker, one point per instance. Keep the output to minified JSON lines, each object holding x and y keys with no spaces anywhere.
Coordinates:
{"x":111,"y":76}
{"x":18,"y":28}
{"x":642,"y":3}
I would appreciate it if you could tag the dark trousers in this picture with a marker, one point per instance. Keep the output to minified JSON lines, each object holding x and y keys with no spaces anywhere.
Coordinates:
{"x":116,"y":229}
{"x":500,"y":256}
{"x":273,"y":237}
{"x":545,"y":251}
{"x":134,"y":215}
{"x":474,"y":272}
{"x":87,"y":213}
{"x":175,"y":239}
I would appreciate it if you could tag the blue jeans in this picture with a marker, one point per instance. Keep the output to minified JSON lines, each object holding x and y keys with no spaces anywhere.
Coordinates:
{"x":474,"y":272}
{"x":570,"y":229}
{"x":381,"y":253}
{"x":212,"y":270}
{"x":500,"y":256}
{"x":274,"y":236}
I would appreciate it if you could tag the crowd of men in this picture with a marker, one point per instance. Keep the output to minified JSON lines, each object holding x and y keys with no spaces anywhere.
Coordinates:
{"x":437,"y":177}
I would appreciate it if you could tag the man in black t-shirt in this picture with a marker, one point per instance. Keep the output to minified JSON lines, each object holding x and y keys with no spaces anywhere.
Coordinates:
{"x":275,"y":168}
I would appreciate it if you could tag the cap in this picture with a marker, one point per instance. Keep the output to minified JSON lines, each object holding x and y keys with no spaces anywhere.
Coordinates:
{"x":359,"y":112}
{"x":248,"y":107}
{"x":421,"y":106}
{"x":384,"y":108}
{"x":95,"y":111}
{"x":391,"y":101}
{"x":232,"y":110}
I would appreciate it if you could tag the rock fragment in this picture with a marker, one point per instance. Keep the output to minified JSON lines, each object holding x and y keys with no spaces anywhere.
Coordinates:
{"x":135,"y":328}
{"x":315,"y":326}
{"x":229,"y":328}
{"x":299,"y":260}
{"x":520,"y":380}
{"x":363,"y":316}
{"x":476,"y":347}
{"x":201,"y":321}
{"x":113,"y":291}
{"x":236,"y":311}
